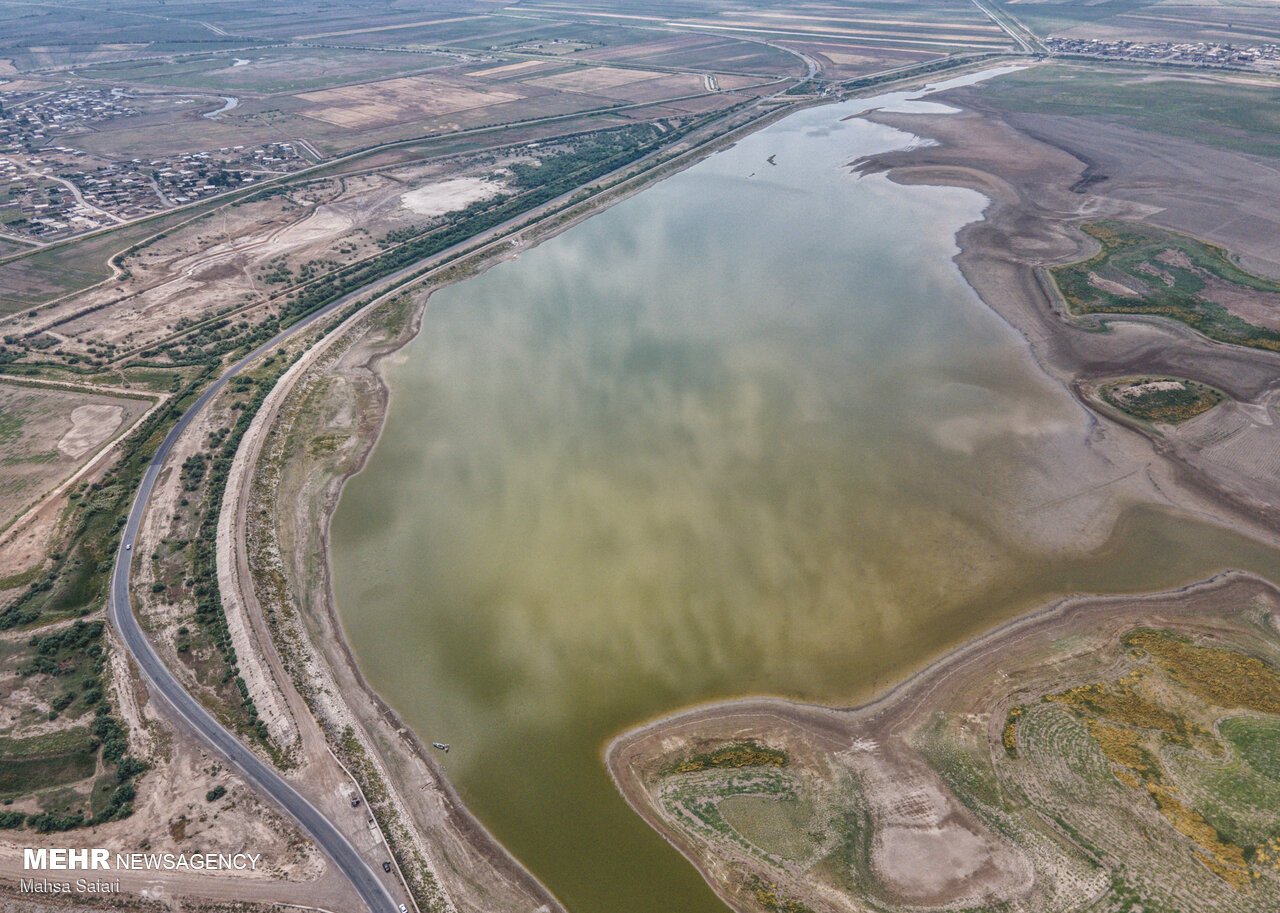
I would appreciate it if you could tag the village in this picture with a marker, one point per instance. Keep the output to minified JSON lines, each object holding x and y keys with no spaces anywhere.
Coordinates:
{"x":1200,"y":53}
{"x":50,"y":190}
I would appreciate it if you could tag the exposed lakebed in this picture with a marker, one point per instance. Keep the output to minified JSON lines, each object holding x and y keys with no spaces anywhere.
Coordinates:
{"x":747,"y":432}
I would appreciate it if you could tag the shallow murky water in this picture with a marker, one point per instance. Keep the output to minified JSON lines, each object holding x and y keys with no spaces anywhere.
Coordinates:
{"x":748,"y":432}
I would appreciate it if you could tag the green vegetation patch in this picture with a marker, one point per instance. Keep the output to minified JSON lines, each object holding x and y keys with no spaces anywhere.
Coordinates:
{"x":1155,"y":747}
{"x":1257,"y":741}
{"x":1121,"y":704}
{"x":742,"y":754}
{"x":1009,"y":735}
{"x":31,"y":767}
{"x":779,"y":826}
{"x":1229,"y":115}
{"x":1142,"y":270}
{"x":10,"y":426}
{"x":1162,"y":399}
{"x":772,"y":899}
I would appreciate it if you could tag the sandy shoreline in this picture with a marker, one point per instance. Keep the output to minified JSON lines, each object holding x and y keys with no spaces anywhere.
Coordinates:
{"x":479,"y":873}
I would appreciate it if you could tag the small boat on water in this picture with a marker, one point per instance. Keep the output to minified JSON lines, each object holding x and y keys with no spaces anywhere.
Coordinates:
{"x":441,"y":745}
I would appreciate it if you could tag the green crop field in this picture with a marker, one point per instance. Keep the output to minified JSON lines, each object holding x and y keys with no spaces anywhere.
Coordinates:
{"x":1230,"y":115}
{"x":268,"y":70}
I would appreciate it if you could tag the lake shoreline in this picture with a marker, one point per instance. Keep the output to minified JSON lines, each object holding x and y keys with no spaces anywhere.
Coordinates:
{"x":494,"y":874}
{"x":971,"y":252}
{"x":634,"y":757}
{"x":1015,"y":286}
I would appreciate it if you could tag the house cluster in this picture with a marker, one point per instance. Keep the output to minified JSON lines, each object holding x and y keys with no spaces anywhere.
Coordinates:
{"x":51,"y":190}
{"x":1201,"y":53}
{"x":32,"y":123}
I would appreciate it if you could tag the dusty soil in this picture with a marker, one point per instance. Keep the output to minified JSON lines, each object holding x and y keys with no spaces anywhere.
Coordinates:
{"x":46,"y":433}
{"x":241,"y":260}
{"x":90,"y":426}
{"x":392,"y":100}
{"x":436,"y":199}
{"x":40,"y":474}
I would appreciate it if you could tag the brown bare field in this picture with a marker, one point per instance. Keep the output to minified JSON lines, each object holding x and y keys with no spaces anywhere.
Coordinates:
{"x":46,"y":434}
{"x":1236,"y":23}
{"x":521,"y":68}
{"x":657,"y":90}
{"x":385,"y":28}
{"x":853,"y":29}
{"x":698,"y":105}
{"x":592,"y":79}
{"x":381,"y":103}
{"x":844,"y":61}
{"x":20,"y":86}
{"x":711,"y":52}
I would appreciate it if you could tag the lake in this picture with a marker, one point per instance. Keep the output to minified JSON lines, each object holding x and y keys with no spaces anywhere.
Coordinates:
{"x":748,"y":432}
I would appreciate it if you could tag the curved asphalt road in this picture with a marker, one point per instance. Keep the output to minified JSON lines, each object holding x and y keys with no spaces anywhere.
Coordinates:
{"x":158,"y":676}
{"x":163,"y":682}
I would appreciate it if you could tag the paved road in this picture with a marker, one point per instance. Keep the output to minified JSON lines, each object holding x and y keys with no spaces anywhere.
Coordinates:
{"x":163,"y":682}
{"x":158,"y":676}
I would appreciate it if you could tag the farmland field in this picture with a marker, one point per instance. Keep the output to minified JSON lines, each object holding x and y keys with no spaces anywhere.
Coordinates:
{"x":268,"y":70}
{"x":1240,"y":21}
{"x":1233,"y":115}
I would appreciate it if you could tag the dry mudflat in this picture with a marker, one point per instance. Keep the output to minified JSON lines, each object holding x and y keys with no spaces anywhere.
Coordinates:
{"x":1046,"y":176}
{"x":958,"y":788}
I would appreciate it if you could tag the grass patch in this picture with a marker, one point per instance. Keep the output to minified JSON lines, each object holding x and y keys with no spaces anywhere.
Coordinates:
{"x":743,"y":754}
{"x":1162,"y":399}
{"x":1147,"y":271}
{"x":1257,"y":741}
{"x":23,"y":776}
{"x":776,"y":825}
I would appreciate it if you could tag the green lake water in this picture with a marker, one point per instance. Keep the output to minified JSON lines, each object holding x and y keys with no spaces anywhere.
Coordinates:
{"x":748,"y":432}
